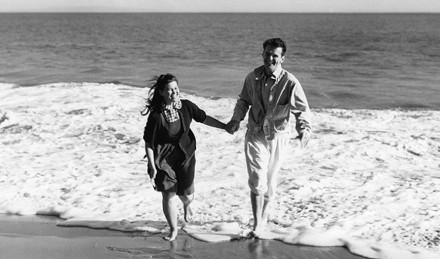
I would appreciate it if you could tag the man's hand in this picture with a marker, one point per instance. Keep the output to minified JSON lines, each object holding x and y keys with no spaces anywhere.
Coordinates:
{"x":304,"y":137}
{"x":232,"y":126}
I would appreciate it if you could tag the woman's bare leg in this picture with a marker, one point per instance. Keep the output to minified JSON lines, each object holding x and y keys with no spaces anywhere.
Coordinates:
{"x":187,"y":212}
{"x":169,"y":207}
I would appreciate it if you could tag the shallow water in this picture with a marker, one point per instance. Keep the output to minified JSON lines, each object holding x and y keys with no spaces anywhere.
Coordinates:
{"x":114,"y":244}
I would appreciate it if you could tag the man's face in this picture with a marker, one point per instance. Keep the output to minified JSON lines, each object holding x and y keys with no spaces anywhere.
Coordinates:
{"x":272,"y":58}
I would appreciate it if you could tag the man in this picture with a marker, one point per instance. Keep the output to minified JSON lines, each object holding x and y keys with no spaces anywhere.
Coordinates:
{"x":273,"y":95}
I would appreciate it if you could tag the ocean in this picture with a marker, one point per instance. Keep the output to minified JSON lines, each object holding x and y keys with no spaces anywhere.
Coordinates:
{"x":350,"y":61}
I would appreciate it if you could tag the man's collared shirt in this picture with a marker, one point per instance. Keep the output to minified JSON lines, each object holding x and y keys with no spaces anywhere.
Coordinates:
{"x":271,"y":101}
{"x":269,"y":83}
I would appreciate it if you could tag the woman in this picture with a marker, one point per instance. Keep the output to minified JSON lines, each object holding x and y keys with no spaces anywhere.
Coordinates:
{"x":170,"y":146}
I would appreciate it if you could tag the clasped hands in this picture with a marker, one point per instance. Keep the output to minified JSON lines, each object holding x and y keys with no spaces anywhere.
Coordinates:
{"x":232,"y":126}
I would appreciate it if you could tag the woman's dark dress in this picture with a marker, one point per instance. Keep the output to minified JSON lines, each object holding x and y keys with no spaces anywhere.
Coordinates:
{"x":174,"y":146}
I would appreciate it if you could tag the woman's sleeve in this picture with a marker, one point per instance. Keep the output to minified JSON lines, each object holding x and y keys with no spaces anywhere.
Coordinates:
{"x":198,"y":114}
{"x":150,"y":130}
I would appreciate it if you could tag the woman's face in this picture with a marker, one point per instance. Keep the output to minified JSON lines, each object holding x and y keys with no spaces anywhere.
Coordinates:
{"x":170,"y":92}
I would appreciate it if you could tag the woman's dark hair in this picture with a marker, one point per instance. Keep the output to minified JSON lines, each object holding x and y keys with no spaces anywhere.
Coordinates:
{"x":154,"y":99}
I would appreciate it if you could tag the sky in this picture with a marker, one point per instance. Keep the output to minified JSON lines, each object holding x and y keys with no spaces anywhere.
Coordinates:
{"x":219,"y":6}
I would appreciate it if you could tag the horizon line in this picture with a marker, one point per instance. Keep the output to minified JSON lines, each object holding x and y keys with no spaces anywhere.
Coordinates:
{"x":232,"y":12}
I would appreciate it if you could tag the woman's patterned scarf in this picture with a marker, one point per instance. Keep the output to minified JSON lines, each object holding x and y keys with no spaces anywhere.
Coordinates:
{"x":170,"y":111}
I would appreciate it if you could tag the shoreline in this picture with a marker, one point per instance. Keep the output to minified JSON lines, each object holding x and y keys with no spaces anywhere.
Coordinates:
{"x":40,"y":237}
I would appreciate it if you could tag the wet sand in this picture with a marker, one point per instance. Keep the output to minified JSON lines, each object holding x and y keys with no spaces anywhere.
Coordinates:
{"x":40,"y":237}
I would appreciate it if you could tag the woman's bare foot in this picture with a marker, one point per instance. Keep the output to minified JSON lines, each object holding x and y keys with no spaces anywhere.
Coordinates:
{"x":172,"y":236}
{"x":187,"y":212}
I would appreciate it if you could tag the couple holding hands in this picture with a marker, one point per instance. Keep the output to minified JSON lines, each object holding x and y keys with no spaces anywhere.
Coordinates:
{"x":270,"y":94}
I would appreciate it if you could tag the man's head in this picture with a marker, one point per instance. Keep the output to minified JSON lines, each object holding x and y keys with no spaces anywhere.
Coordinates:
{"x":276,"y":43}
{"x":273,"y":54}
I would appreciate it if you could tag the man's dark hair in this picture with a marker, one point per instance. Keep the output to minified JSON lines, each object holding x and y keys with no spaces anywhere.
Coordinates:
{"x":276,"y":43}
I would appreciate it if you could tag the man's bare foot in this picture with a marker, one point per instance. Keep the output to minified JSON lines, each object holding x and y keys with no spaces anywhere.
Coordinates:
{"x":260,"y":228}
{"x":263,"y":223}
{"x":260,"y":225}
{"x":258,"y":231}
{"x":172,"y":236}
{"x":187,"y":212}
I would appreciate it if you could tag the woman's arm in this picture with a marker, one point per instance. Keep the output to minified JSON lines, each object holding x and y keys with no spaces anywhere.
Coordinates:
{"x":213,"y":122}
{"x":152,"y":171}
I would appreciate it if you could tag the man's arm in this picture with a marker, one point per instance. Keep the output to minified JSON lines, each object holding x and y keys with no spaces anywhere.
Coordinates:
{"x":241,"y":108}
{"x":301,"y":110}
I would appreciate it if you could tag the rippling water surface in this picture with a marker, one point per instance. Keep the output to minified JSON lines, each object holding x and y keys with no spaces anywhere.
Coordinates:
{"x":342,"y":60}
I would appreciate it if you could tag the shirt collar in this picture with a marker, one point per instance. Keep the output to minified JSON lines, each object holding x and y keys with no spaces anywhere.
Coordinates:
{"x":277,"y":73}
{"x":259,"y":73}
{"x":174,"y":105}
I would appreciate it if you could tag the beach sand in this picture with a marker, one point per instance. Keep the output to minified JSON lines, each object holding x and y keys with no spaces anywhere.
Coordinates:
{"x":40,"y":237}
{"x":368,"y":181}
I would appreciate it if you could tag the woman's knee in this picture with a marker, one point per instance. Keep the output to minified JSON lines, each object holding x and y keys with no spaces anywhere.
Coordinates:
{"x":187,"y":198}
{"x":168,"y":195}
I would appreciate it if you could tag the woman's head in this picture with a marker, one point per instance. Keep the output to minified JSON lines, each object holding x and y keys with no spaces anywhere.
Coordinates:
{"x":165,"y":90}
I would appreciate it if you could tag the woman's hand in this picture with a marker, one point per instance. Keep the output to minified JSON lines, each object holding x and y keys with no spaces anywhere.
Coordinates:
{"x":153,"y":174}
{"x":151,"y":169}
